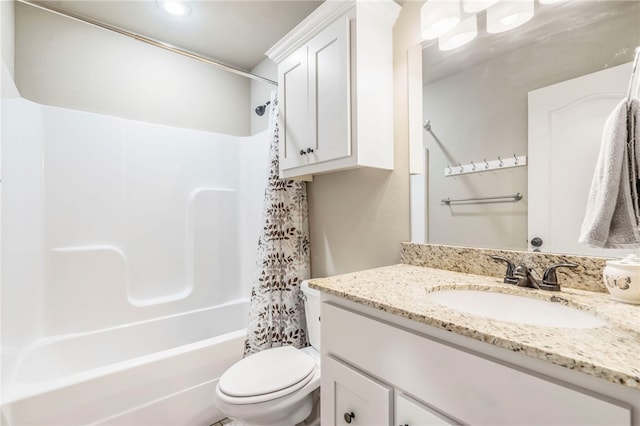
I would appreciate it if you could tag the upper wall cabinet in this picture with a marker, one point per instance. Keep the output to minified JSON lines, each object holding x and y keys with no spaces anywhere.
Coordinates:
{"x":335,"y":89}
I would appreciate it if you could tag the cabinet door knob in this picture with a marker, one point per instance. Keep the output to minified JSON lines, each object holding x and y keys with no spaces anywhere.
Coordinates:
{"x":309,"y":150}
{"x":302,"y":152}
{"x":349,"y":416}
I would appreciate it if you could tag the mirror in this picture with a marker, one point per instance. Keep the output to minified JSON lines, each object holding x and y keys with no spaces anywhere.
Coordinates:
{"x":476,"y":103}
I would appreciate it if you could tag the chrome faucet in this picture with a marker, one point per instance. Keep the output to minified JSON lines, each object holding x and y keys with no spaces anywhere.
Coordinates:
{"x":522,"y":276}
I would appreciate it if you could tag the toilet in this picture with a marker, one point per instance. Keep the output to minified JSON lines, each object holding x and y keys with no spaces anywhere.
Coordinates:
{"x":276,"y":386}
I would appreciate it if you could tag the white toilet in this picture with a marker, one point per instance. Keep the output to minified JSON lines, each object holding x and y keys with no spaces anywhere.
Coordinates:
{"x":275,"y":386}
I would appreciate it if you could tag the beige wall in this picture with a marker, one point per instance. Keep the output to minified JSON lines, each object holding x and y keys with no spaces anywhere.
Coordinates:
{"x":7,"y":33}
{"x":358,"y":218}
{"x":71,"y":64}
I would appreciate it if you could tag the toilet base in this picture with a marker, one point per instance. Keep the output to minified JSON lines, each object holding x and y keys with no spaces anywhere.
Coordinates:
{"x":301,"y":411}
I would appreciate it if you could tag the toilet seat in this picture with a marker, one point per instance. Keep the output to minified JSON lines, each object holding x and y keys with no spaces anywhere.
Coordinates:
{"x":267,"y":375}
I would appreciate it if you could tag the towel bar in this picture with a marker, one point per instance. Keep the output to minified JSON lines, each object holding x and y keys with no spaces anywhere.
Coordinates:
{"x":498,"y":199}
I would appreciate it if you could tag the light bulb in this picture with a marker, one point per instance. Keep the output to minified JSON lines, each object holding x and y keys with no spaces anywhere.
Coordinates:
{"x":508,"y":14}
{"x":475,"y":6}
{"x":461,"y":35}
{"x":439,"y":17}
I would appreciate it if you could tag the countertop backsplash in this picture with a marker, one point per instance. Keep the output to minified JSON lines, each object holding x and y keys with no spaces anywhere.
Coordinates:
{"x":587,"y":276}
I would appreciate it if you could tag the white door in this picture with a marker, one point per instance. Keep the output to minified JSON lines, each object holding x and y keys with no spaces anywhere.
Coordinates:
{"x":565,"y":130}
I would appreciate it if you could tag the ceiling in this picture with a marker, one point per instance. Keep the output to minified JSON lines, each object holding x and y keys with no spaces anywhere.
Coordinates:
{"x":235,"y":32}
{"x":549,"y":20}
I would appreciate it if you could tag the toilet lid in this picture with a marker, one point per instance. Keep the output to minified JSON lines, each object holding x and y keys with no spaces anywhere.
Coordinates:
{"x":267,"y":372}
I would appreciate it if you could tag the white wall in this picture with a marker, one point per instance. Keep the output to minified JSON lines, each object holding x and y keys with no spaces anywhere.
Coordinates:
{"x":71,"y":64}
{"x":261,"y":93}
{"x":481,"y":112}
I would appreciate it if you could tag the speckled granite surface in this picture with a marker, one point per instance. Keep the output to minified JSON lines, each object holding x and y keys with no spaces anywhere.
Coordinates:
{"x":587,"y":276}
{"x":610,"y":352}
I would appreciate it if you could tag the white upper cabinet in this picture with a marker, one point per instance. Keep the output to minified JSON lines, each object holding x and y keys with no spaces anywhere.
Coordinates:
{"x":335,"y":89}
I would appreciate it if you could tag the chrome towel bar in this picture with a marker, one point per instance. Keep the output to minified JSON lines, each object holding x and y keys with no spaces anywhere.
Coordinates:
{"x":499,"y":199}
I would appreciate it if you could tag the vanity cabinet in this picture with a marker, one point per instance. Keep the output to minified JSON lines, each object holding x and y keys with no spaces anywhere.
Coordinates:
{"x":435,"y":382}
{"x":335,"y":89}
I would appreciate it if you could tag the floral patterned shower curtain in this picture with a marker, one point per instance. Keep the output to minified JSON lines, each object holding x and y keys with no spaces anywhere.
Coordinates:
{"x":276,"y":313}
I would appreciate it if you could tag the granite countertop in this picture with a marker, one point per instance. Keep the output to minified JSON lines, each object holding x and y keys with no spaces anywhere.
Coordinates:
{"x":610,"y":352}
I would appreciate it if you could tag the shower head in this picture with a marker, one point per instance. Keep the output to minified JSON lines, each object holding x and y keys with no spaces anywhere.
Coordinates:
{"x":262,"y":108}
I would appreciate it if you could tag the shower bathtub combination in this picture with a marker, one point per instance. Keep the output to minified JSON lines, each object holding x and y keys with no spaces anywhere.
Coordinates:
{"x":128,"y":249}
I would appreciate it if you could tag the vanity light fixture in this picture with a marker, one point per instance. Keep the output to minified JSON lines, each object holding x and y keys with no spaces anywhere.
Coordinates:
{"x":466,"y":31}
{"x":438,"y":17}
{"x":178,"y":8}
{"x":475,"y":6}
{"x":508,"y":14}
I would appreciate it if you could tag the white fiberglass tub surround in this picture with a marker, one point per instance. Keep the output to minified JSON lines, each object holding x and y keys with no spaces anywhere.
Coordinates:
{"x":158,"y":372}
{"x":128,"y":249}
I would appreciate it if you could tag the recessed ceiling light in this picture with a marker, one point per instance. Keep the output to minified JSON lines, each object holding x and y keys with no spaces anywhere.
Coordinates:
{"x":175,"y":7}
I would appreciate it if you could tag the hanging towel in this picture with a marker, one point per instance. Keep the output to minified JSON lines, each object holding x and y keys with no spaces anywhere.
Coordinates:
{"x":612,"y":218}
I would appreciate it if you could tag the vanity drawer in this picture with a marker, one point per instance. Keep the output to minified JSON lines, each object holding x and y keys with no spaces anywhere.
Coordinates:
{"x":459,"y":384}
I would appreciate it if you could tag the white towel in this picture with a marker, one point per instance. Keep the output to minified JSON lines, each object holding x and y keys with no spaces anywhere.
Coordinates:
{"x":612,"y":218}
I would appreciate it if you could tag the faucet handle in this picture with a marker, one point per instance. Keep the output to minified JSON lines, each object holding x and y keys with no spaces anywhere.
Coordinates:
{"x":550,"y":279}
{"x":508,"y":278}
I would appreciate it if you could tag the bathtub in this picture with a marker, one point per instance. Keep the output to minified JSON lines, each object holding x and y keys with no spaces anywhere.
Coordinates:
{"x":157,"y":372}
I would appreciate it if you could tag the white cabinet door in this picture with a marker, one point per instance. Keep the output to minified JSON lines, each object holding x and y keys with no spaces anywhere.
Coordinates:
{"x":410,"y":412}
{"x":351,"y":398}
{"x":329,"y":75}
{"x":295,"y":134}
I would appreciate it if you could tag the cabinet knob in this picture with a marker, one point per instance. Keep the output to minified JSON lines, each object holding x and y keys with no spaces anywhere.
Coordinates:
{"x":309,"y":150}
{"x":302,"y":152}
{"x":349,"y":416}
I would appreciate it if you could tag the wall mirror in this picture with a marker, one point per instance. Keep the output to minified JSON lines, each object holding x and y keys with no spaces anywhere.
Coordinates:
{"x":532,"y":94}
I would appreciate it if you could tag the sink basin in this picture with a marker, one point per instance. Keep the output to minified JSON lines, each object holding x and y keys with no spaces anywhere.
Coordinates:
{"x":515,"y":309}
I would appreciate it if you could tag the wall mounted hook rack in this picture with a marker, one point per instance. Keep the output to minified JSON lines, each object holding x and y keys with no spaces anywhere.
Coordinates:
{"x":486,"y":166}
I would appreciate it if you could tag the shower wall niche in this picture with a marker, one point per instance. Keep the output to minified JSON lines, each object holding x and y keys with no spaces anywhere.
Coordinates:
{"x":109,"y":221}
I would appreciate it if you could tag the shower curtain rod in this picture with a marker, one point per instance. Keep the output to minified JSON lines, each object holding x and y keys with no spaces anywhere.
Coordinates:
{"x":150,"y":41}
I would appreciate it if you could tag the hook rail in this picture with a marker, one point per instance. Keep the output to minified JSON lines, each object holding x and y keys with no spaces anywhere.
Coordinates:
{"x":485,"y":166}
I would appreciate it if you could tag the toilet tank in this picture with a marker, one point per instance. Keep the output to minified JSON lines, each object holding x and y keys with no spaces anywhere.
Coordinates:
{"x":311,"y":299}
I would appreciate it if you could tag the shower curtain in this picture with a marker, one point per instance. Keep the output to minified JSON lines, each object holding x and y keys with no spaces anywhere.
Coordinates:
{"x":276,"y":313}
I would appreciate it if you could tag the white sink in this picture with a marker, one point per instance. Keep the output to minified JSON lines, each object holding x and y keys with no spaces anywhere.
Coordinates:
{"x":516,"y":309}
